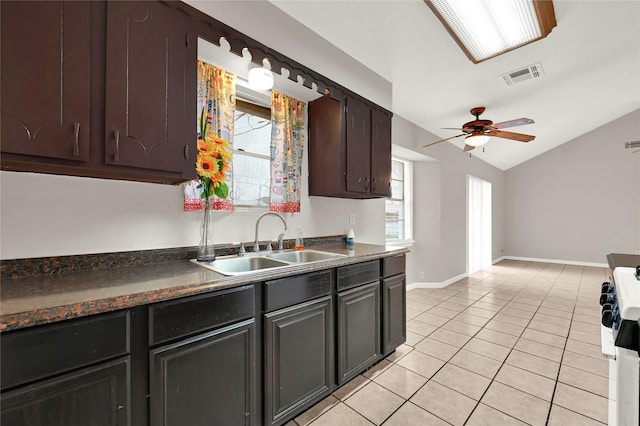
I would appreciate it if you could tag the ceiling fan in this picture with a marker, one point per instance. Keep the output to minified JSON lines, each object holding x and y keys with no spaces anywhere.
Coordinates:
{"x":478,"y":131}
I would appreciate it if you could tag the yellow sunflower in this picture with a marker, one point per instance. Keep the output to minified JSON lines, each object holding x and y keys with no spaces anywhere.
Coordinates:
{"x":207,"y":166}
{"x":205,"y":147}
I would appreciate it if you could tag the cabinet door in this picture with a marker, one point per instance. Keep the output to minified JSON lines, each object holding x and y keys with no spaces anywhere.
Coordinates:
{"x":148,"y":122}
{"x":206,"y":380}
{"x":358,"y":330}
{"x":299,"y":358}
{"x":394,"y":313}
{"x":97,"y":396}
{"x":45,"y":57}
{"x":358,"y":120}
{"x":380,"y":153}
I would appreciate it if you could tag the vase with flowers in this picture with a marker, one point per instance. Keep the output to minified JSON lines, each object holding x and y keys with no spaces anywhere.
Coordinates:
{"x":212,"y":164}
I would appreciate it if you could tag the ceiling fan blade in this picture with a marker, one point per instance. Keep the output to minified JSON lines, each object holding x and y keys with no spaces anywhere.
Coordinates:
{"x":520,"y":137}
{"x":468,"y":147}
{"x":442,"y":140}
{"x":513,"y":123}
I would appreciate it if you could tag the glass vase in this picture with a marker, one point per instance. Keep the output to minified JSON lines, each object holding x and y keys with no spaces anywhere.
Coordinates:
{"x":206,"y":251}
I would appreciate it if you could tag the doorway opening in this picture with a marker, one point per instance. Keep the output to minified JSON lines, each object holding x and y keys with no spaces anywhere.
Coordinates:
{"x":478,"y":224}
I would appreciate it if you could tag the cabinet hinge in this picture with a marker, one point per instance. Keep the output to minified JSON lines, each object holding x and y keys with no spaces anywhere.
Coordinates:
{"x":345,"y":109}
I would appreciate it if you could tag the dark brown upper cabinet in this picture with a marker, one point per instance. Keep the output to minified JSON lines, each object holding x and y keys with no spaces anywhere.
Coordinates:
{"x":99,"y":89}
{"x":380,"y":153}
{"x":46,"y":55}
{"x":147,"y":120}
{"x":349,"y":149}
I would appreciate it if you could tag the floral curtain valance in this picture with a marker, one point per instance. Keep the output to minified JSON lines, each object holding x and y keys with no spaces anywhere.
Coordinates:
{"x":216,"y":114}
{"x":287,"y":147}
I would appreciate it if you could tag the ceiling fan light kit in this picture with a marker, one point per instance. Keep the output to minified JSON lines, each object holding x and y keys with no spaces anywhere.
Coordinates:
{"x":476,"y":139}
{"x":478,"y":132}
{"x":488,"y":28}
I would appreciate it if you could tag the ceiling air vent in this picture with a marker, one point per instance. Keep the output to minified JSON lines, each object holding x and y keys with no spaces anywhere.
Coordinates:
{"x":527,"y":73}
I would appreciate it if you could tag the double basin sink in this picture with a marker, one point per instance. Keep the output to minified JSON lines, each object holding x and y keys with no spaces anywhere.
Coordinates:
{"x":239,"y":265}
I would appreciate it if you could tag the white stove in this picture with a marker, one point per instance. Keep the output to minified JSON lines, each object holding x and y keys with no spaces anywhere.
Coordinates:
{"x":621,"y":343}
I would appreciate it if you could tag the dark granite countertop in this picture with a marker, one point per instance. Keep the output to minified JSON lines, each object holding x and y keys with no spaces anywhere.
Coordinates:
{"x":43,"y":299}
{"x":623,"y":260}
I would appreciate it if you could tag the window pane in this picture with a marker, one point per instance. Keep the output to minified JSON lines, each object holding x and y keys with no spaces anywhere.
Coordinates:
{"x":394,"y":230}
{"x":394,"y":219}
{"x":252,"y":133}
{"x":397,"y":170}
{"x":251,"y":180}
{"x":397,"y":189}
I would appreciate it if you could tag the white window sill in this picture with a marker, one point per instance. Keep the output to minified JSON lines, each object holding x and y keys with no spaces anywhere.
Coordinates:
{"x":400,"y":243}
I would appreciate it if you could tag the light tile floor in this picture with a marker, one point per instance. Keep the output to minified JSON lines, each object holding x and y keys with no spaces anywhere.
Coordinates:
{"x":516,"y":344}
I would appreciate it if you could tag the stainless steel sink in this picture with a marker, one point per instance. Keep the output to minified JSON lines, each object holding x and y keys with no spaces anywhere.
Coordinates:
{"x":239,"y":265}
{"x":304,"y":256}
{"x":242,"y":265}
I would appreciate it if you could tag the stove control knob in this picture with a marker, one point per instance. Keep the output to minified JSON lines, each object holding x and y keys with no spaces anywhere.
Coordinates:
{"x":606,"y":287}
{"x":606,"y":298}
{"x":607,"y":315}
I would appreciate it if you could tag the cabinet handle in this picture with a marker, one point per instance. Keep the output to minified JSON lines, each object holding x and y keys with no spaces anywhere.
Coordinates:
{"x":116,"y":156}
{"x":76,"y":146}
{"x":186,"y":152}
{"x":373,"y":183}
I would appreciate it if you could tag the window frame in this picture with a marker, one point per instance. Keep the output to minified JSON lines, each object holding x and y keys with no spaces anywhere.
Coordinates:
{"x":407,"y":202}
{"x":260,"y":111}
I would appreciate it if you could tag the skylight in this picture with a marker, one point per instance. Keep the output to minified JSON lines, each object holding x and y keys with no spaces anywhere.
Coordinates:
{"x":488,"y":28}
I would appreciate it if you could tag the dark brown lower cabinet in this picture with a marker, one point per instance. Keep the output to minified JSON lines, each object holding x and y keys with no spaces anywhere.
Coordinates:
{"x":208,"y":379}
{"x":394,"y":313}
{"x":96,"y":396}
{"x":358,"y":330}
{"x":258,"y":354}
{"x":299,"y":358}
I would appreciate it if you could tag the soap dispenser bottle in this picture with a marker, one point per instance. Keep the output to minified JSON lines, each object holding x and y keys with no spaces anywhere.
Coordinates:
{"x":350,"y":239}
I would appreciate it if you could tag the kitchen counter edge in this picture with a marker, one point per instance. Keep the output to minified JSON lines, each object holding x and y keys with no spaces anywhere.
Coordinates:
{"x":27,"y":302}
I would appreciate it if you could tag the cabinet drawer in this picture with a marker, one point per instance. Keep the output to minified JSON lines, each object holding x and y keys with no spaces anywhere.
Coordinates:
{"x":393,"y":265}
{"x":360,"y":273}
{"x":184,"y":317}
{"x":39,"y":352}
{"x":289,"y":291}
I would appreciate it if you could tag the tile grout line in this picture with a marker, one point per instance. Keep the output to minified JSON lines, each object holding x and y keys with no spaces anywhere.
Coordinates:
{"x":559,"y":369}
{"x":510,"y":351}
{"x":494,"y":286}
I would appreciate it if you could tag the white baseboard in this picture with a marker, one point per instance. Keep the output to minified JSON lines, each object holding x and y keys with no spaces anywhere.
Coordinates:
{"x":563,"y":262}
{"x":501,"y":258}
{"x":436,"y":284}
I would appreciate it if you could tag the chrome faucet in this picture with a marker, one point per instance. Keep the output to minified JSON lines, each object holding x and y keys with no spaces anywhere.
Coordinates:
{"x":256,"y":243}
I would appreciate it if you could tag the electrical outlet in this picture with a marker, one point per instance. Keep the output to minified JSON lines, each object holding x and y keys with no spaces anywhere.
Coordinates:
{"x":352,"y":219}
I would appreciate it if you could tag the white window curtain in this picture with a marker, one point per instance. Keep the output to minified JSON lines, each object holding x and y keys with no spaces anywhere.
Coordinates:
{"x":478,"y":224}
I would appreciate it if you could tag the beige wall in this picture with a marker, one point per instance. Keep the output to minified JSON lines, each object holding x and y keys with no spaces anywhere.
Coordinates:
{"x":579,"y":201}
{"x":440,"y":190}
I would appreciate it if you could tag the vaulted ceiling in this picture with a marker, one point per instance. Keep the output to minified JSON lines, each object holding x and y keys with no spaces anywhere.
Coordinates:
{"x":591,"y":64}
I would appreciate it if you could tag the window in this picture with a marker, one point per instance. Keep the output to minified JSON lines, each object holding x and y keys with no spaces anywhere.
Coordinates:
{"x":398,"y":208}
{"x":251,"y":155}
